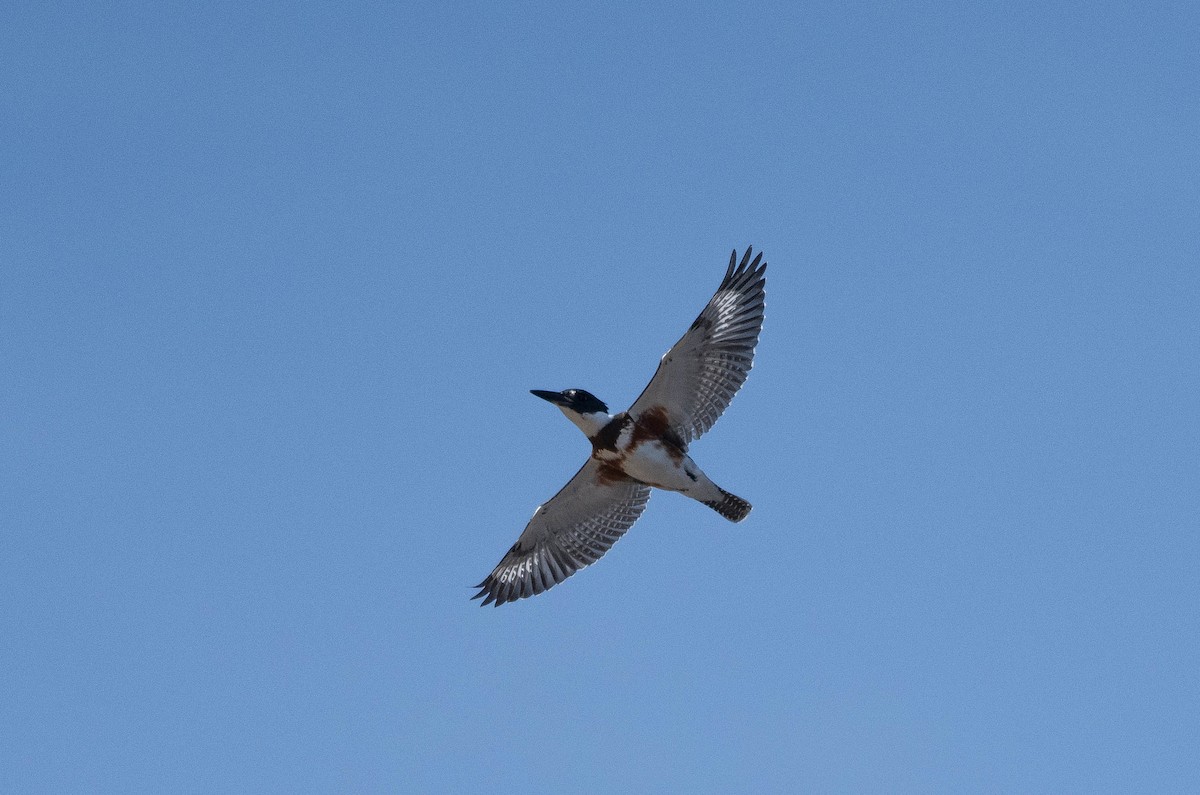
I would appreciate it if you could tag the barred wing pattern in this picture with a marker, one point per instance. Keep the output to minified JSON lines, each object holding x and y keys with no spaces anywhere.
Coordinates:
{"x":572,"y":529}
{"x":698,"y":377}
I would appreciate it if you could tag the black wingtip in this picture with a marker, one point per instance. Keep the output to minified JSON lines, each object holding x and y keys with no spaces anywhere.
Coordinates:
{"x":737,"y":269}
{"x":485,"y":589}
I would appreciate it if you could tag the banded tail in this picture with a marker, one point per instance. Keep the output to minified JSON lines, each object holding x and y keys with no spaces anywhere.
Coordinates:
{"x":731,"y":506}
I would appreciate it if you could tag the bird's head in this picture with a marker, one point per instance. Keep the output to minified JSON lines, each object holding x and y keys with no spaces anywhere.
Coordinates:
{"x":581,"y":407}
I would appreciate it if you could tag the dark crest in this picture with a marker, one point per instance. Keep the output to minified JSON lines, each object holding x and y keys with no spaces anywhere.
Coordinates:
{"x":584,"y":402}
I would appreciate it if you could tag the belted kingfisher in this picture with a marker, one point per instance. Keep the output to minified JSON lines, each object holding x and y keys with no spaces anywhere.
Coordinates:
{"x":644,"y":447}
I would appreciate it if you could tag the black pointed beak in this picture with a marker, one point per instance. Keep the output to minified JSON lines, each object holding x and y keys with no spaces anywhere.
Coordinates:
{"x":557,"y":398}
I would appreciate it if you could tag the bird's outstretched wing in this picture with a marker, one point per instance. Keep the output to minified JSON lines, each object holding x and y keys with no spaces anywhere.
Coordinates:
{"x":572,"y":529}
{"x":699,"y":376}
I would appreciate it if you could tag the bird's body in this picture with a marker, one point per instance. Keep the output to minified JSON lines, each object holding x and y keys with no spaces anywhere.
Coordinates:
{"x":647,"y":450}
{"x":642,"y":448}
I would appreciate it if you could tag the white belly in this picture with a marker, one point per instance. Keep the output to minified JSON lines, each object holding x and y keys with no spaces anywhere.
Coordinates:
{"x":652,"y":463}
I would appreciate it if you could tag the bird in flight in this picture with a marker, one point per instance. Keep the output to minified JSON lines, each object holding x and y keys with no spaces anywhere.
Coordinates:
{"x":644,"y":447}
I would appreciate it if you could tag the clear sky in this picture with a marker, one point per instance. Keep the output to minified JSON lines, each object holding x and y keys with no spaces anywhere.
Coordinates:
{"x":275,"y":281}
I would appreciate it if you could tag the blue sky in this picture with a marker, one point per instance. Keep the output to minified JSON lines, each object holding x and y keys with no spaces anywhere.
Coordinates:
{"x":275,"y":281}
